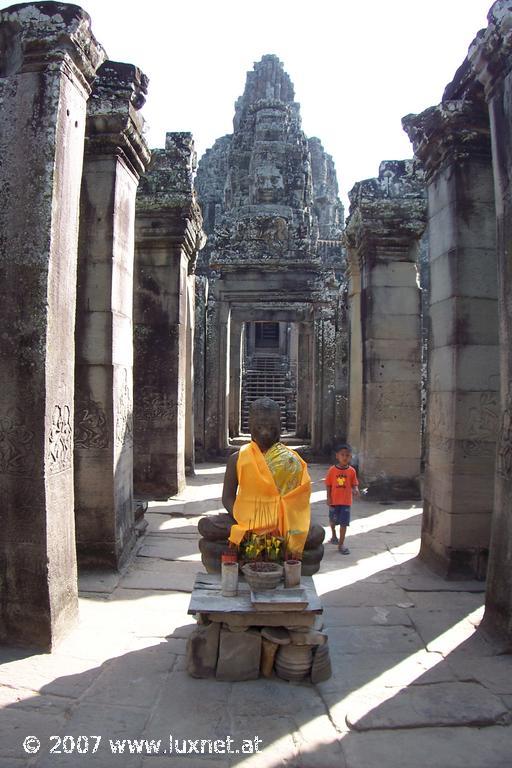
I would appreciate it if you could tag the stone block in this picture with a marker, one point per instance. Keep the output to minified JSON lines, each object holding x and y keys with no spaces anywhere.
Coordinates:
{"x":392,"y":349}
{"x":380,"y":325}
{"x":393,"y":370}
{"x":395,"y":301}
{"x":469,"y":272}
{"x":459,"y":321}
{"x":239,"y":655}
{"x":394,"y":274}
{"x":203,"y":650}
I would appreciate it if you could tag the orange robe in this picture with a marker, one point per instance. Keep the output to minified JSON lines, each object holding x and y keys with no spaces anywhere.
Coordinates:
{"x":260,"y":507}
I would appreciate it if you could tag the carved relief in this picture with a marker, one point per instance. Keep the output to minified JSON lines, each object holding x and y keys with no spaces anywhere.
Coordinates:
{"x":157,"y":405}
{"x":504,"y":464}
{"x":16,"y":444}
{"x":90,"y":425}
{"x":60,"y":449}
{"x":124,"y":414}
{"x":483,"y":426}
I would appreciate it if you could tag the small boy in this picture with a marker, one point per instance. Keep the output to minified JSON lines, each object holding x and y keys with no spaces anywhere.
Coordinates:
{"x":341,"y":481}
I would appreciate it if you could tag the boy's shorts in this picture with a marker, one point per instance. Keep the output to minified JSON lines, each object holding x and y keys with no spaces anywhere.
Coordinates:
{"x":339,"y":515}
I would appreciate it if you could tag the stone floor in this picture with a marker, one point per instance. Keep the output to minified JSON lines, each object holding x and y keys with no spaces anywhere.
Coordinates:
{"x":415,"y":682}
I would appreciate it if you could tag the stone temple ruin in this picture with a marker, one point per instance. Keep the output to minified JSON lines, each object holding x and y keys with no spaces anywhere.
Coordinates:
{"x":146,"y":301}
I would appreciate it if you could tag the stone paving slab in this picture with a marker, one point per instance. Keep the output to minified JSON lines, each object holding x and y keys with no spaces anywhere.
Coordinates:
{"x":495,"y":672}
{"x":440,"y":704}
{"x":168,"y":547}
{"x":149,"y":574}
{"x":366,"y":616}
{"x":440,"y":747}
{"x":378,"y":639}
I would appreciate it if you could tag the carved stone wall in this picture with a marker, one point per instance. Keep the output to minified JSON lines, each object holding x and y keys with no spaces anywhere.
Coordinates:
{"x":48,"y":58}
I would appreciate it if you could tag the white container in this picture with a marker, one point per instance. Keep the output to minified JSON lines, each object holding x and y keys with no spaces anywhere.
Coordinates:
{"x":292,"y":573}
{"x":229,"y":583}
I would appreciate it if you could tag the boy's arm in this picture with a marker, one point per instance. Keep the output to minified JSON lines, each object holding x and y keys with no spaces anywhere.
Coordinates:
{"x":328,"y":489}
{"x":355,"y":485}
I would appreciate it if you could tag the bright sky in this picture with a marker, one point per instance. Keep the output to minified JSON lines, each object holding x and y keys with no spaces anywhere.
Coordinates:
{"x":358,"y":66}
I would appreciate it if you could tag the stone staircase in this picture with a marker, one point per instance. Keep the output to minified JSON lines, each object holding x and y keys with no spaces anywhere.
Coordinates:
{"x":269,"y":376}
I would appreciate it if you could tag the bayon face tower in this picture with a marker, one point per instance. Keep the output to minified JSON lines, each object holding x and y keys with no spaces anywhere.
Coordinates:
{"x":272,"y":261}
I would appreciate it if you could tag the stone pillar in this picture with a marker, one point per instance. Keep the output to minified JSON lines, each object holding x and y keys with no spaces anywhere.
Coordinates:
{"x":48,"y":58}
{"x":341,"y":367}
{"x":492,"y":63}
{"x":304,"y":381}
{"x":235,"y":377}
{"x":190,"y":453}
{"x":168,"y":235}
{"x":355,"y":384}
{"x":452,"y":142}
{"x":218,"y":318}
{"x":324,"y":400}
{"x":115,"y":155}
{"x":386,"y":221}
{"x":201,"y":298}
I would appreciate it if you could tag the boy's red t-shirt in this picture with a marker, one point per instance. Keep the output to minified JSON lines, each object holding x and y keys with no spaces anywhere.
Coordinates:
{"x":341,"y":482}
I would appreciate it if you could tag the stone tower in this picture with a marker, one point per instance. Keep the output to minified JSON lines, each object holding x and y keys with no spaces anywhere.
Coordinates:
{"x":273,"y":220}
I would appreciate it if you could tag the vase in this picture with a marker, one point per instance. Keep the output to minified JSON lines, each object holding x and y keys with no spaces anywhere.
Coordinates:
{"x":292,"y":572}
{"x":229,"y":579}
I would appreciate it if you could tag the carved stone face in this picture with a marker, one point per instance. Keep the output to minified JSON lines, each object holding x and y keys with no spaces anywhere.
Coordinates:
{"x":268,"y":184}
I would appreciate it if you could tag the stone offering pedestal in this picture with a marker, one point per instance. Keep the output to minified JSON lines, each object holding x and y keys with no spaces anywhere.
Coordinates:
{"x":235,"y":640}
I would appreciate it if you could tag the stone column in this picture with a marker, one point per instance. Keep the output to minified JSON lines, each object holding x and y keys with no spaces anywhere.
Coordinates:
{"x":304,"y":381}
{"x":201,"y":298}
{"x":218,"y":318}
{"x":190,"y":453}
{"x":115,"y":155}
{"x":452,"y":142}
{"x":490,"y":55}
{"x":324,"y":400}
{"x":168,"y":235}
{"x":386,"y":221}
{"x":48,"y":58}
{"x":235,"y":377}
{"x":355,"y":384}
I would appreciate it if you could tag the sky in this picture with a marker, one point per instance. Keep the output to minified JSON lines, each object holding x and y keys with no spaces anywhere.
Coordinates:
{"x":358,"y":66}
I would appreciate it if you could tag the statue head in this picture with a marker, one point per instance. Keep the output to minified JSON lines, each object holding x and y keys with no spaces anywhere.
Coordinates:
{"x":265,"y":422}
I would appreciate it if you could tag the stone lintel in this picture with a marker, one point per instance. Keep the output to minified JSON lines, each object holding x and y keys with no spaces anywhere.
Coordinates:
{"x":39,"y":36}
{"x":176,"y":229}
{"x":114,"y":124}
{"x":449,"y":133}
{"x":490,"y":52}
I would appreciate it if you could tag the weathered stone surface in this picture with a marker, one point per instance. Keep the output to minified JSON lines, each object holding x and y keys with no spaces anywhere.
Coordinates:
{"x":47,"y":63}
{"x":430,"y":706}
{"x":116,"y":153}
{"x":452,"y":141}
{"x":203,"y":650}
{"x":273,"y":215}
{"x":387,"y":218}
{"x":321,"y":667}
{"x":489,"y":56}
{"x":168,"y":237}
{"x":278,"y":635}
{"x":239,"y":655}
